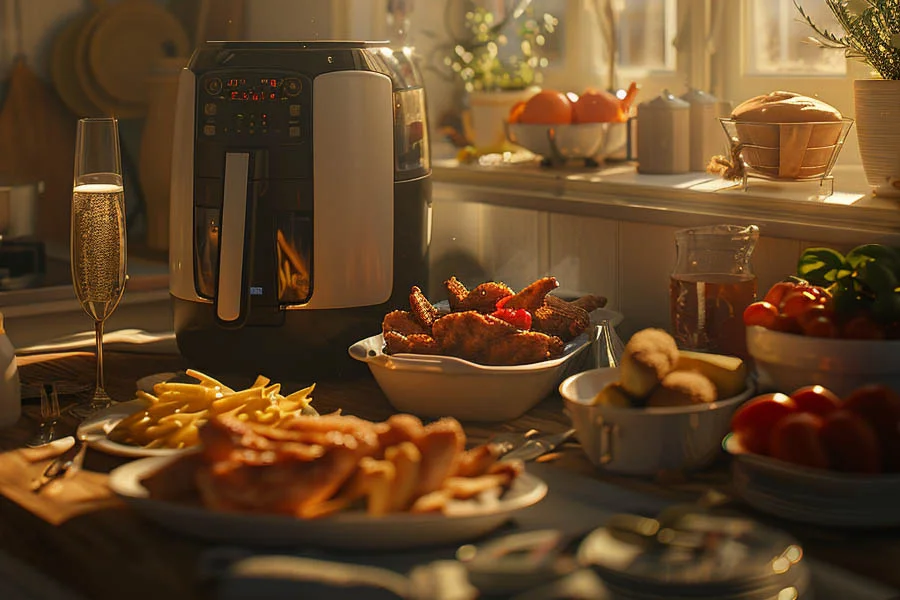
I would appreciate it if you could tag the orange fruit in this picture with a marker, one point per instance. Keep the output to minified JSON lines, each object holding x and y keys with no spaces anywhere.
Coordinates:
{"x":597,"y":106}
{"x":547,"y":107}
{"x":515,"y":113}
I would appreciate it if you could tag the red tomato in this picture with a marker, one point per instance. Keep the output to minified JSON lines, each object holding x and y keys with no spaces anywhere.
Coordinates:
{"x":760,"y":313}
{"x":796,"y":439}
{"x":752,"y":423}
{"x":778,"y":291}
{"x":851,"y":443}
{"x":797,"y":302}
{"x":822,"y":327}
{"x":862,"y":328}
{"x":786,"y":324}
{"x":879,"y":405}
{"x":815,"y":399}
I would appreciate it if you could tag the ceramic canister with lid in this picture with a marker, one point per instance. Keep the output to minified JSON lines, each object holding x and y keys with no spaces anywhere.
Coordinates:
{"x":664,"y":135}
{"x":10,"y":392}
{"x":706,"y":133}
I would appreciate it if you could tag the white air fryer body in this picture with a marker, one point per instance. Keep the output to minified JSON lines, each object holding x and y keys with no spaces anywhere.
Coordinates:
{"x":300,"y":201}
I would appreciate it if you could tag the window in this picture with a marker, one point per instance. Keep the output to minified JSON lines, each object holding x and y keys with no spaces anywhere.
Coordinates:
{"x":775,"y":36}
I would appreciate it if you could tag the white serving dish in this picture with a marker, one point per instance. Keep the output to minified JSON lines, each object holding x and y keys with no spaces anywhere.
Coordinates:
{"x":787,"y":361}
{"x":645,"y":441}
{"x":582,"y":140}
{"x":818,"y":496}
{"x":446,"y":386}
{"x":356,"y":530}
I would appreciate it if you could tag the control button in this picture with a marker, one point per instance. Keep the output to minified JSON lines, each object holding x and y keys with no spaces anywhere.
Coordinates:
{"x":294,"y":131}
{"x":292,"y":86}
{"x":294,"y":110}
{"x":213,"y":86}
{"x":209,"y":108}
{"x":209,"y":130}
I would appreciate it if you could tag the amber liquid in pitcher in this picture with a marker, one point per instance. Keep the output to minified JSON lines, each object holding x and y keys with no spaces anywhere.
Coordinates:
{"x":708,"y":310}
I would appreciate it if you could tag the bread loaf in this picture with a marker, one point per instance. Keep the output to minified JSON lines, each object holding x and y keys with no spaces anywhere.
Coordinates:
{"x":785,"y":107}
{"x":788,"y":136}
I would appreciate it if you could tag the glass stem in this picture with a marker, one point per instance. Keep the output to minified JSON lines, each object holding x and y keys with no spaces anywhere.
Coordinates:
{"x":98,"y":332}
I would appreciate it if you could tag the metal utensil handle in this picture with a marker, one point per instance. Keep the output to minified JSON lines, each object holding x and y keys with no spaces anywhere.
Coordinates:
{"x":607,"y":446}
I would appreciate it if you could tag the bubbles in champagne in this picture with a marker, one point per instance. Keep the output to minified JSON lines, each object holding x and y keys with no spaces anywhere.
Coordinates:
{"x":98,"y":247}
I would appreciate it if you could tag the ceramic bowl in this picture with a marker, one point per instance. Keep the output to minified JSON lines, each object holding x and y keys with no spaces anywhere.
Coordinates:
{"x":787,"y":361}
{"x":446,"y":386}
{"x":645,"y":441}
{"x":584,"y":140}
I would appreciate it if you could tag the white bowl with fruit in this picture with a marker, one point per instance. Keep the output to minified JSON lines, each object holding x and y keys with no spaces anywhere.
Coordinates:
{"x":662,"y":409}
{"x":561,"y":126}
{"x":820,"y":457}
{"x":839,"y":327}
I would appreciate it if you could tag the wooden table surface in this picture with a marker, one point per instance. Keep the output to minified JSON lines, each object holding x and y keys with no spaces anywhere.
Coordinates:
{"x":113,"y":553}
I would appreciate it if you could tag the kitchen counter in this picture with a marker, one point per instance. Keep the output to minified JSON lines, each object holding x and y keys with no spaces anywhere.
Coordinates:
{"x":112,"y":553}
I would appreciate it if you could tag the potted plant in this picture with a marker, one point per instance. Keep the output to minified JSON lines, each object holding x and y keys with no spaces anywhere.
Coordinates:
{"x":498,"y":61}
{"x":871,"y":35}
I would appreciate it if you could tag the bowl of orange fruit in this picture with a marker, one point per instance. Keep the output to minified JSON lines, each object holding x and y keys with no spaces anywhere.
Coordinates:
{"x":562,"y":126}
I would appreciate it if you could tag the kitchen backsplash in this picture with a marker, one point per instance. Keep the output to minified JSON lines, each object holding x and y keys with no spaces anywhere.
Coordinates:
{"x":627,"y":262}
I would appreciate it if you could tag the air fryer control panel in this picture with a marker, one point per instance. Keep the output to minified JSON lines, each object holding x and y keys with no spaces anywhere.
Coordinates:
{"x":254,"y":107}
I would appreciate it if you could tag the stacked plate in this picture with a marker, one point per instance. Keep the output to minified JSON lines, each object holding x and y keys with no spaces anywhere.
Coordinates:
{"x":726,"y":558}
{"x":814,"y":495}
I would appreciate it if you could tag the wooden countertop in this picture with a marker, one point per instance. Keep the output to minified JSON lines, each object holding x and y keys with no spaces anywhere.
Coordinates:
{"x":113,"y":553}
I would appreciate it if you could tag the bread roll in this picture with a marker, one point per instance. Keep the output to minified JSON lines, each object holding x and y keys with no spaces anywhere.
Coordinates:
{"x":683,"y":388}
{"x":649,"y":355}
{"x":789,"y":136}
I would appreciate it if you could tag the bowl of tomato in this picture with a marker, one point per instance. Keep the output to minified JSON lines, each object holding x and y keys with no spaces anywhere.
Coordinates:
{"x":817,"y":456}
{"x":803,"y":334}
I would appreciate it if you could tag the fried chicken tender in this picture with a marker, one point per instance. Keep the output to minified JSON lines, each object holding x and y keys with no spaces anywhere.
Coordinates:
{"x":560,"y":318}
{"x":416,"y":343}
{"x":532,"y":296}
{"x":482,"y":299}
{"x":403,"y":323}
{"x":423,"y":312}
{"x":491,"y":341}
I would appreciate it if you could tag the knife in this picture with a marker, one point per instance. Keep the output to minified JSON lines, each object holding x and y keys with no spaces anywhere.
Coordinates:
{"x":538,"y":445}
{"x":69,"y":462}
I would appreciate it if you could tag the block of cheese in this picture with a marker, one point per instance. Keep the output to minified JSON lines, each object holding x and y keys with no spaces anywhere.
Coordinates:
{"x":728,"y":373}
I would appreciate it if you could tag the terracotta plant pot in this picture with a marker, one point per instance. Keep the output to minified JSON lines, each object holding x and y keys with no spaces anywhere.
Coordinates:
{"x":878,"y":128}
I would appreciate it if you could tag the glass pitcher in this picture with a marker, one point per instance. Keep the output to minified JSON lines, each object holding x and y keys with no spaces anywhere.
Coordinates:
{"x":710,"y":287}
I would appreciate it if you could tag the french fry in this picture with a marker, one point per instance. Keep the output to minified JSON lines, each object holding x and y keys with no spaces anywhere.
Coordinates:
{"x":176,"y":411}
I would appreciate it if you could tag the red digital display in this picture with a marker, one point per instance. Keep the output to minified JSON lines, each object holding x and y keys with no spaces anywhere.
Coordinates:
{"x":265,"y":90}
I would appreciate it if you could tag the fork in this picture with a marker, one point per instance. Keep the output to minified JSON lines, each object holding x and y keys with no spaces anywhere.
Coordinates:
{"x":49,"y":416}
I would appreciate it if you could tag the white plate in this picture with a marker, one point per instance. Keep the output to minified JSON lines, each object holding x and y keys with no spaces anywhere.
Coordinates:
{"x":356,"y":531}
{"x":811,"y":495}
{"x":95,"y":431}
{"x":446,"y":386}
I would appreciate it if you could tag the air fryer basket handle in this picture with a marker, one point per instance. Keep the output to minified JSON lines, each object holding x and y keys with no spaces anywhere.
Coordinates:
{"x":231,"y":288}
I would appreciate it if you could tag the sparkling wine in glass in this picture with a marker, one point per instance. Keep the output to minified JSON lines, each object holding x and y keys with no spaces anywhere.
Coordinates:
{"x":98,"y":241}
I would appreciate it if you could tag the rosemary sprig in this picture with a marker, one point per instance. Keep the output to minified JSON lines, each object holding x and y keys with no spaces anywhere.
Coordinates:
{"x":871,"y":32}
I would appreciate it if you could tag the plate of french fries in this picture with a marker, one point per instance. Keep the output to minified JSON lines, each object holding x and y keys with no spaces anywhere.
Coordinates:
{"x":167,"y":420}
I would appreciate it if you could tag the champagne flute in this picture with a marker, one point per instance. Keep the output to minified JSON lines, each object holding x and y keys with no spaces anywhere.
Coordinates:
{"x":98,"y":244}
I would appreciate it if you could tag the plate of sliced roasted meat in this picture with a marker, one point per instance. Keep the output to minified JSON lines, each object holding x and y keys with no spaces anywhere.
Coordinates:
{"x":331,"y":481}
{"x":488,"y":354}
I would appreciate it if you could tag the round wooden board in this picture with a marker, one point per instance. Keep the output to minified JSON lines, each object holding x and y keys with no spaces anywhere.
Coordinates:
{"x":62,"y":68}
{"x":128,"y":43}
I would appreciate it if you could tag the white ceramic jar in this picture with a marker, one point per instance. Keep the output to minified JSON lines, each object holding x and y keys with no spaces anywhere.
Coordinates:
{"x":664,"y":135}
{"x":707,"y":137}
{"x":10,"y":391}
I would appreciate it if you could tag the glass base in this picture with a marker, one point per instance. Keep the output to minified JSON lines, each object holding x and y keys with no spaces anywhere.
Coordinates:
{"x":100,"y":401}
